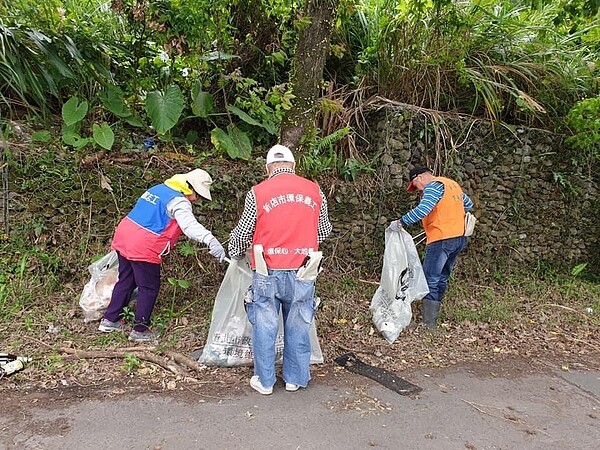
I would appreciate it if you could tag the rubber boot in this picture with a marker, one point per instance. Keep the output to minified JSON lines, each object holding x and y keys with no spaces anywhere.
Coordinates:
{"x":431,"y":311}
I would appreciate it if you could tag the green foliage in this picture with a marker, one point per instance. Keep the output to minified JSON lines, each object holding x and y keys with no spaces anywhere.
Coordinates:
{"x":112,"y":98}
{"x":234,"y":142}
{"x":31,"y":67}
{"x":73,"y":114}
{"x":165,"y":108}
{"x":250,"y":121}
{"x":24,"y":268}
{"x":259,"y":106}
{"x":496,"y":310}
{"x":130,"y":363}
{"x":584,"y":120}
{"x":352,"y":167}
{"x":128,"y":314}
{"x":103,"y":135}
{"x":186,"y":249}
{"x":41,"y":136}
{"x":202,"y":102}
{"x":578,"y":269}
{"x":519,"y":61}
{"x":183,"y":284}
{"x":49,"y":53}
{"x":323,"y":158}
{"x":506,"y":60}
{"x":562,"y":179}
{"x":74,"y":111}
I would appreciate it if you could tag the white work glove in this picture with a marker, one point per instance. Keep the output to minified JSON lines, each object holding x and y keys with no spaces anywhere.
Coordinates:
{"x":396,"y":225}
{"x":216,"y":249}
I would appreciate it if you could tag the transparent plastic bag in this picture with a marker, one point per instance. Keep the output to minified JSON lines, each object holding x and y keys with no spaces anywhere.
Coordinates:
{"x":229,"y":341}
{"x":402,"y":282}
{"x":97,"y":292}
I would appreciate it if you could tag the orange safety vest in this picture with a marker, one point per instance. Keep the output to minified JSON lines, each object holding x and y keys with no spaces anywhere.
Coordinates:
{"x":447,"y":219}
{"x":288,"y":208}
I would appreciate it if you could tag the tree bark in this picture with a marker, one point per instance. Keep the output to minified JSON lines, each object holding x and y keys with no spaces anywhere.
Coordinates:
{"x":298,"y":126}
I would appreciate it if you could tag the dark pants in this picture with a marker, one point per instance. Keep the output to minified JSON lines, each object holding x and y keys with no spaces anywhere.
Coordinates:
{"x":440,"y":257}
{"x":146,"y":277}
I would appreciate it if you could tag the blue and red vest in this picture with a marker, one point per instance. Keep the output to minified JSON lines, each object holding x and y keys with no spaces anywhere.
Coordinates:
{"x":147,"y":233}
{"x":288,"y":208}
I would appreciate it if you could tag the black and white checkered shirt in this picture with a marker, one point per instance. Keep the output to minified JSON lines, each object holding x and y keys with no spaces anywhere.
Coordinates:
{"x":241,"y":236}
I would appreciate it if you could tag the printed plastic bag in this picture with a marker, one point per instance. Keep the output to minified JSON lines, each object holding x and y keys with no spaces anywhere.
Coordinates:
{"x":402,"y":282}
{"x":229,"y":341}
{"x":97,"y":292}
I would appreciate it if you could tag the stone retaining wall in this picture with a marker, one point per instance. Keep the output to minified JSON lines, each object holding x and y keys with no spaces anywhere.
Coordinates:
{"x":535,"y":208}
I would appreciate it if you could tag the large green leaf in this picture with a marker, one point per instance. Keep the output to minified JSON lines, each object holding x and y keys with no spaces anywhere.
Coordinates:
{"x":103,"y":135}
{"x":164,"y":108}
{"x":235,"y":142}
{"x":112,"y":99}
{"x":202,"y":102}
{"x":251,"y":121}
{"x":73,"y":139}
{"x":134,"y":121}
{"x":73,"y":111}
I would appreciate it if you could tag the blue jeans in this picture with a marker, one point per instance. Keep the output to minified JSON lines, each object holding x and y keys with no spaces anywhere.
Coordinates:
{"x":440,"y":257}
{"x":281,"y":289}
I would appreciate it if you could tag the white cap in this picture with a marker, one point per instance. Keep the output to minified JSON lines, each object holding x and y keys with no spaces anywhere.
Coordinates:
{"x":280,"y":153}
{"x":200,"y":181}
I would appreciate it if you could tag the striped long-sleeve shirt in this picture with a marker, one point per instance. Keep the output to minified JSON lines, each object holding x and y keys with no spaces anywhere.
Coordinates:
{"x":432,"y":194}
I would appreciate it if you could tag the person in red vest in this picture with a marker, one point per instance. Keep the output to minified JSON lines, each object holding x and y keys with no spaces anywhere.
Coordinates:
{"x":145,"y":236}
{"x":442,"y":212}
{"x":287,"y":215}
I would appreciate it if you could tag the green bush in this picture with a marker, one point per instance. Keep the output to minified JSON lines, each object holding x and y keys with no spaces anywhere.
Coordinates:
{"x":584,"y":120}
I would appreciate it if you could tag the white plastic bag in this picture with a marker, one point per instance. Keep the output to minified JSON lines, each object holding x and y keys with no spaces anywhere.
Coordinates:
{"x":97,"y":292}
{"x":470,"y":221}
{"x":229,"y":341}
{"x":402,"y":282}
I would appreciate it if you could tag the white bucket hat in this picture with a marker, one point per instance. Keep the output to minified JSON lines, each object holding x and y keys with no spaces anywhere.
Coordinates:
{"x":280,"y":153}
{"x":200,"y":180}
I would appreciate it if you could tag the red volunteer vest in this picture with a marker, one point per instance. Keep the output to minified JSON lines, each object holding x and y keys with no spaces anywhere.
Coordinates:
{"x":447,"y":219}
{"x":288,"y":208}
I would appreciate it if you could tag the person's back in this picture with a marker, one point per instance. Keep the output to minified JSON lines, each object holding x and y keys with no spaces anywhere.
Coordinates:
{"x":442,"y":211}
{"x":285,"y":215}
{"x":287,"y":219}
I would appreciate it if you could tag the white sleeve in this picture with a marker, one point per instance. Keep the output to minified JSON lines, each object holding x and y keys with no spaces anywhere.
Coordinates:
{"x":180,"y":208}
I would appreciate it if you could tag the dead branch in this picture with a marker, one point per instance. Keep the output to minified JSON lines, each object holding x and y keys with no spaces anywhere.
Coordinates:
{"x":183,"y":360}
{"x":572,"y":310}
{"x":116,"y":354}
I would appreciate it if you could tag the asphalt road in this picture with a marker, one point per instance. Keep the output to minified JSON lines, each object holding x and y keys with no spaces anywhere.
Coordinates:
{"x":459,"y":408}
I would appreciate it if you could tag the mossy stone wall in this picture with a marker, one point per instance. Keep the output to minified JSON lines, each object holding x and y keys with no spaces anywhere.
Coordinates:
{"x":535,"y":208}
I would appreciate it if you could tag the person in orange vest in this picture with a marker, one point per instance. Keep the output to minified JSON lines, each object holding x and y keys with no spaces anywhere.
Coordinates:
{"x":442,"y":212}
{"x":286,"y":215}
{"x":145,"y":236}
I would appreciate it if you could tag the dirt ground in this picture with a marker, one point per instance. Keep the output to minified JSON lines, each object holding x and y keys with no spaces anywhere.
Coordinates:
{"x":59,"y":364}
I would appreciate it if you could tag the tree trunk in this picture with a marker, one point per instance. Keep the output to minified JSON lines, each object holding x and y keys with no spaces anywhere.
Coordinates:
{"x":298,"y":125}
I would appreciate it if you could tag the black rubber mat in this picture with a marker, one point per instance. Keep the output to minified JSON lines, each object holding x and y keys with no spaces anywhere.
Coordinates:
{"x":382,"y":376}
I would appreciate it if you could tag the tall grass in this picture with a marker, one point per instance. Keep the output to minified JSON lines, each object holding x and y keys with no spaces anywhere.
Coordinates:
{"x":503,"y":60}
